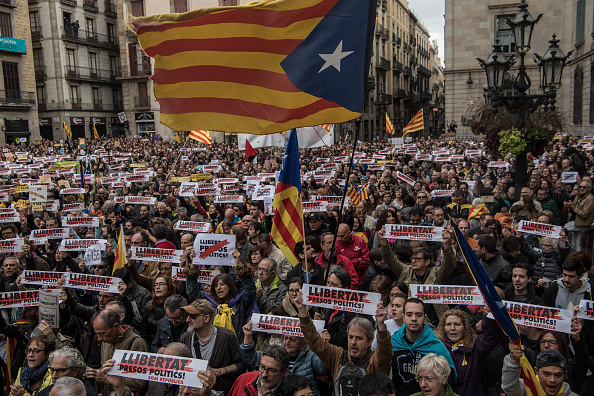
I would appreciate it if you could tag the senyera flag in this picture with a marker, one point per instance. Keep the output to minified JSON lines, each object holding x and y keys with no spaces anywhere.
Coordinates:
{"x":263,"y":67}
{"x":287,"y":225}
{"x":416,"y":124}
{"x":389,"y":125}
{"x":498,"y":309}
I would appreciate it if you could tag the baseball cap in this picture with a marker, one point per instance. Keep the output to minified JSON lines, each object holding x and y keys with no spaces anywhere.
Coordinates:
{"x":551,"y":358}
{"x":315,"y":216}
{"x":199,"y":307}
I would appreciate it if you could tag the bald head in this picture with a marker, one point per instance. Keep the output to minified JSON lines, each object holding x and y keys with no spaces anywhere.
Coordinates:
{"x":229,"y":214}
{"x":344,"y":234}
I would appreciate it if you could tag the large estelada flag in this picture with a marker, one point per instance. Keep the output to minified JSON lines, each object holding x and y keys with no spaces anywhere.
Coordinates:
{"x":498,"y":309}
{"x":389,"y":125}
{"x":201,"y":136}
{"x":263,"y":67}
{"x":415,"y":124}
{"x":287,"y":225}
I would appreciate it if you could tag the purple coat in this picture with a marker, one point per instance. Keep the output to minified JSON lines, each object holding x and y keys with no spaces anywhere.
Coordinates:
{"x":469,"y":361}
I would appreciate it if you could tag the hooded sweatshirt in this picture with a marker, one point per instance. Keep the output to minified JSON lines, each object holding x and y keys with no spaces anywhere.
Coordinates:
{"x":558,"y":296}
{"x":512,"y":385}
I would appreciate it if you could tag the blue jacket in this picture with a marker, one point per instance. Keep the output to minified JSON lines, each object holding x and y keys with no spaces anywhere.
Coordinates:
{"x":164,"y":335}
{"x":307,"y":364}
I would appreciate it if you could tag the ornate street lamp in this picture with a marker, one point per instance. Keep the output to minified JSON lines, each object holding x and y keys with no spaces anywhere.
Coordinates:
{"x":551,"y":65}
{"x":522,"y":26}
{"x":496,"y":66}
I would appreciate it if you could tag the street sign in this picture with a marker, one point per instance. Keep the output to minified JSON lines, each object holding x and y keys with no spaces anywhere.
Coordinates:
{"x":123,"y":117}
{"x":77,"y":121}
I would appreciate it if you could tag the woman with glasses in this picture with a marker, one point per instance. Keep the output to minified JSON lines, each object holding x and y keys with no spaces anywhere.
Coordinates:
{"x":432,"y":374}
{"x":154,"y":310}
{"x":35,"y":375}
{"x":468,"y":350}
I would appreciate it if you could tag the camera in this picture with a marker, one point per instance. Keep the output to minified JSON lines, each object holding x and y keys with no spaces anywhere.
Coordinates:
{"x":107,"y":221}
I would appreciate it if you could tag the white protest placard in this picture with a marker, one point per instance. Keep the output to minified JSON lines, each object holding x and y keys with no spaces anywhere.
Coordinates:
{"x":330,"y":200}
{"x":263,"y":192}
{"x":441,"y":193}
{"x":80,"y":222}
{"x":443,"y":294}
{"x":284,"y":325}
{"x":19,"y":299}
{"x":155,"y":254}
{"x":541,"y":229}
{"x":137,"y":179}
{"x":227,"y":180}
{"x":92,"y":255}
{"x":192,"y":226}
{"x":72,"y":191}
{"x":569,"y":177}
{"x":80,"y":245}
{"x":313,"y":207}
{"x":37,"y":193}
{"x":92,"y":282}
{"x":341,"y":299}
{"x":49,"y":308}
{"x":45,"y":278}
{"x":206,"y":276}
{"x":229,"y":199}
{"x":586,"y":310}
{"x":414,"y":232}
{"x":498,"y":164}
{"x":9,"y":246}
{"x":540,"y":317}
{"x":9,"y":216}
{"x":404,"y":178}
{"x":214,"y":249}
{"x":203,"y":191}
{"x":157,"y":368}
{"x":71,"y":207}
{"x":134,"y":200}
{"x":188,"y":189}
{"x":41,"y":235}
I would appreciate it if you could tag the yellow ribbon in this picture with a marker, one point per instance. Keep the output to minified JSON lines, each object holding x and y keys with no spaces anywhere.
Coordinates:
{"x":223,"y":319}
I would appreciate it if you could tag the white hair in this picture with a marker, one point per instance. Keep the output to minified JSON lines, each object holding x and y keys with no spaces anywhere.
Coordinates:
{"x":436,"y":364}
{"x":68,"y":386}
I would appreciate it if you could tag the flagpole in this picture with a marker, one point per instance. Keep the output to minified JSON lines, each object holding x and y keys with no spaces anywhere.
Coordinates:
{"x":338,"y":221}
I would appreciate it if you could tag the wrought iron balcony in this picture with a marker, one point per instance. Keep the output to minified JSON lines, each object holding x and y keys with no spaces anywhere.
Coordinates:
{"x":17,"y":98}
{"x":89,"y":38}
{"x":382,"y":63}
{"x":91,"y":74}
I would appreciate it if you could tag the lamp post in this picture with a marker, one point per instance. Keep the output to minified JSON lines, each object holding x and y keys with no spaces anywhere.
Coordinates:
{"x":519,"y":103}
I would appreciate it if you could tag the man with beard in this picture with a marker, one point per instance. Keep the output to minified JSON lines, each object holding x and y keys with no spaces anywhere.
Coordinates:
{"x":274,"y":364}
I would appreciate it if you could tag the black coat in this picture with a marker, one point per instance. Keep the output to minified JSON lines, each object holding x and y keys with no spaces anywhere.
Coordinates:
{"x":316,"y":277}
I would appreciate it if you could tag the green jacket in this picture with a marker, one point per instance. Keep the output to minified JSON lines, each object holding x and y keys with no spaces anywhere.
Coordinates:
{"x":436,"y":276}
{"x":549,"y":204}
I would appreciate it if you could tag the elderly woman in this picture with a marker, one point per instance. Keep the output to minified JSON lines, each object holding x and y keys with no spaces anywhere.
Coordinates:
{"x":432,"y":374}
{"x":67,"y":362}
{"x":468,"y":350}
{"x":35,"y":375}
{"x":547,"y":266}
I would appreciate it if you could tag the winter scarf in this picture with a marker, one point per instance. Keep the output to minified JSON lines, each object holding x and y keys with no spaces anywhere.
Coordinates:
{"x":28,"y":375}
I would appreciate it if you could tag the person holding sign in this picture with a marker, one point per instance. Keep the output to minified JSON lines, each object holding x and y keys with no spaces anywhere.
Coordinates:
{"x":583,"y":209}
{"x":305,"y":362}
{"x":358,"y":357}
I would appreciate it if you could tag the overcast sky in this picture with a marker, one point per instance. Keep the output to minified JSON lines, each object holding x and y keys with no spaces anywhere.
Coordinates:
{"x":431,"y":12}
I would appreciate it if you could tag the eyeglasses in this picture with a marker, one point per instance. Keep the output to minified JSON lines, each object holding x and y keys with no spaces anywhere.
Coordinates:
{"x":269,"y":371}
{"x":101,"y":266}
{"x":194,"y":316}
{"x":550,"y":342}
{"x":584,"y":187}
{"x":34,"y":351}
{"x":294,"y":291}
{"x":417,"y":258}
{"x":59,"y":371}
{"x":422,"y":197}
{"x":159,"y":284}
{"x":426,"y":379}
{"x":546,"y":245}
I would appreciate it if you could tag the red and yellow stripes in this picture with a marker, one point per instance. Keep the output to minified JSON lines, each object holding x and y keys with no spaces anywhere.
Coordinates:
{"x":389,"y":125}
{"x":415,"y":124}
{"x":220,"y":68}
{"x":201,"y":136}
{"x":287,"y":225}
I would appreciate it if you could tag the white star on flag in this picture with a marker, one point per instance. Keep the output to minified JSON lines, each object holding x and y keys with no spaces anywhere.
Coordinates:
{"x":334,"y":58}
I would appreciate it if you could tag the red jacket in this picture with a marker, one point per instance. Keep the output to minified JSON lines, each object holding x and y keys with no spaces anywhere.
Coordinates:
{"x":345,"y":263}
{"x":245,"y":385}
{"x":356,"y":251}
{"x":165,"y":245}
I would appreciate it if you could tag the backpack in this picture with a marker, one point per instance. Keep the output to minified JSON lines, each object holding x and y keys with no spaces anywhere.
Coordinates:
{"x":349,"y":377}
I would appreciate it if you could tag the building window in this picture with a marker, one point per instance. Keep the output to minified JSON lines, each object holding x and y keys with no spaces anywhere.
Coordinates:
{"x":113,"y":65}
{"x":580,"y":20}
{"x":95,"y":92}
{"x":143,"y":100}
{"x":117,"y":99}
{"x":504,"y":33}
{"x":137,"y":7}
{"x":93,"y":62}
{"x":34,"y":22}
{"x":111,"y":34}
{"x":41,"y":100}
{"x":38,"y":59}
{"x":180,"y":6}
{"x":12,"y":83}
{"x":74,"y":95}
{"x":90,"y":28}
{"x":578,"y":88}
{"x":5,"y":25}
{"x":227,"y":3}
{"x":70,"y":59}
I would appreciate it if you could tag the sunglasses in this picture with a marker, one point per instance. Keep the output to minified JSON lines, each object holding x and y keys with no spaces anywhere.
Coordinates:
{"x":101,"y":266}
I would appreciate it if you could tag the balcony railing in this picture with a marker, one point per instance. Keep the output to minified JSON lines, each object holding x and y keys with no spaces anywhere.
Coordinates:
{"x":98,"y":105}
{"x":91,"y":5}
{"x":141,"y":103}
{"x":76,"y":104}
{"x":378,"y":29}
{"x":384,"y":98}
{"x":426,"y":95}
{"x":17,"y":98}
{"x":36,"y":34}
{"x":90,"y":38}
{"x":91,"y":74}
{"x":69,"y":2}
{"x":398,"y":66}
{"x":146,"y":72}
{"x":407,"y":71}
{"x":110,"y":9}
{"x":382,"y":63}
{"x":399,"y":93}
{"x":423,"y":70}
{"x":6,"y":2}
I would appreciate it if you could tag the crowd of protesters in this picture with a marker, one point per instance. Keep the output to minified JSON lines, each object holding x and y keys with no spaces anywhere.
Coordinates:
{"x":409,"y":347}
